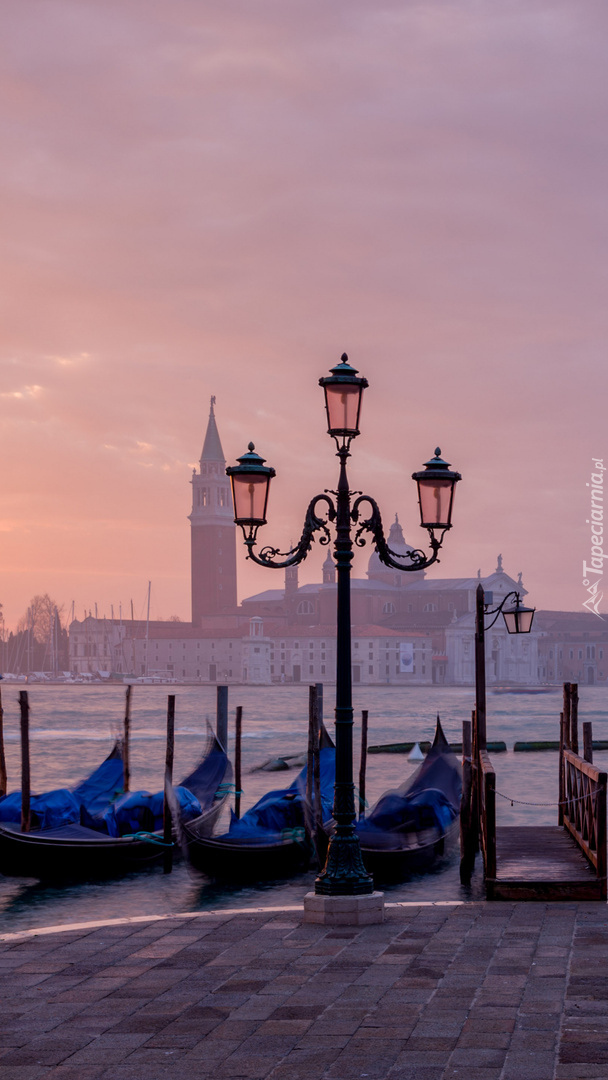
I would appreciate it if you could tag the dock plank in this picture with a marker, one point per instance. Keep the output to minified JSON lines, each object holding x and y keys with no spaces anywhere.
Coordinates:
{"x":541,"y":862}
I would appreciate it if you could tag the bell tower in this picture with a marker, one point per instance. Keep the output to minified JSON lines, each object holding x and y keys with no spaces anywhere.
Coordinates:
{"x":213,"y":532}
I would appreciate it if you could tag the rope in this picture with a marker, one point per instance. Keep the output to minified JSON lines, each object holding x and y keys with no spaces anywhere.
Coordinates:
{"x":226,"y":789}
{"x":148,"y":838}
{"x":298,"y":835}
{"x":564,"y":802}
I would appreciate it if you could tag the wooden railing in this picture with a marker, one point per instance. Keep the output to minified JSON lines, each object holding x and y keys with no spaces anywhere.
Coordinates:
{"x":583,"y":791}
{"x":487,"y":813}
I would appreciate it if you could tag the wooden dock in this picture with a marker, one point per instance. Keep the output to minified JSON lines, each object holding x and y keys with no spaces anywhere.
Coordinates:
{"x":541,"y":863}
{"x":566,"y":861}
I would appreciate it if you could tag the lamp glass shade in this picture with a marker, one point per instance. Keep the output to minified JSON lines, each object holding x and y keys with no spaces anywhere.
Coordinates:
{"x":436,"y":496}
{"x":436,"y":483}
{"x":343,"y":404}
{"x":518,"y":619}
{"x":343,"y":393}
{"x":250,"y":496}
{"x":250,"y":481}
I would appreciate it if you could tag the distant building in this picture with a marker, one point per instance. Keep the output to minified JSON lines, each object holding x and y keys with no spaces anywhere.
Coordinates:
{"x":572,"y":647}
{"x":212,"y":531}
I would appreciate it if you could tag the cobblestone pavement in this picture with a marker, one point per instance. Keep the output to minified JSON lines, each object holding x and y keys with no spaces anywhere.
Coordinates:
{"x":498,"y":991}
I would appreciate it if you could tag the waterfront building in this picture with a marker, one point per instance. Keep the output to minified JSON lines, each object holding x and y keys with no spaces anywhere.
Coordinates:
{"x":212,"y":531}
{"x":573,"y":647}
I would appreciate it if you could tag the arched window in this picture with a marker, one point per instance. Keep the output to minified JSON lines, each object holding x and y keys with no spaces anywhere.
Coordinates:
{"x":305,"y":607}
{"x":430,"y":607}
{"x":389,"y":608}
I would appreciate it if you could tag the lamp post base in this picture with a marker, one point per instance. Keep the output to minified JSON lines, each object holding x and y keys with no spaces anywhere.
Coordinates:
{"x":344,"y":873}
{"x":344,"y":910}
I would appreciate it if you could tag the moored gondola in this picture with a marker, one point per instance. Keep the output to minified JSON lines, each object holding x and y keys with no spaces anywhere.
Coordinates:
{"x":269,"y":841}
{"x":406,"y":830}
{"x":75,"y":849}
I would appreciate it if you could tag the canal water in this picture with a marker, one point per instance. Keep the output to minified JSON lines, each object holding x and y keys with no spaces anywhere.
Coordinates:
{"x":73,"y":728}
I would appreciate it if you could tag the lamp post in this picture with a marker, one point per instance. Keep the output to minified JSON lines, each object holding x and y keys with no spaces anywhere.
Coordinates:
{"x":518,"y":620}
{"x":344,"y":872}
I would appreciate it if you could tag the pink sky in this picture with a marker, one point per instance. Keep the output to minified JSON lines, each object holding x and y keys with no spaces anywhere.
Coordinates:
{"x":222,"y":197}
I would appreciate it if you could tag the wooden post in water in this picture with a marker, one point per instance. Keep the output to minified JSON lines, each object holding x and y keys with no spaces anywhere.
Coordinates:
{"x":475,"y":779}
{"x":221,"y":716}
{"x":125,"y":741}
{"x":24,"y":707}
{"x":363,"y":763}
{"x":2,"y":757}
{"x":480,"y":671}
{"x":468,"y":845}
{"x":567,"y":729}
{"x":318,"y":822}
{"x":167,"y":823}
{"x":308,"y":810}
{"x":574,"y":716}
{"x":561,"y":778}
{"x":588,"y":741}
{"x":237,"y":760}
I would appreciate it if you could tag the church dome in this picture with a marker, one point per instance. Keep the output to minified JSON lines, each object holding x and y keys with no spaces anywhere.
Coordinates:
{"x":377,"y":571}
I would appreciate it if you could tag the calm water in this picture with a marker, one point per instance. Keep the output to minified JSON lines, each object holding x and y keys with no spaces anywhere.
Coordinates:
{"x":73,"y":727}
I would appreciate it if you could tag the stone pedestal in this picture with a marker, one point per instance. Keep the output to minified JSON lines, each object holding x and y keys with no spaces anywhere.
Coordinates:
{"x":344,"y":910}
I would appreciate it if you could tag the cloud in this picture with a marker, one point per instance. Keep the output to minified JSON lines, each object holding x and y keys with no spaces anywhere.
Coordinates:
{"x":25,"y":392}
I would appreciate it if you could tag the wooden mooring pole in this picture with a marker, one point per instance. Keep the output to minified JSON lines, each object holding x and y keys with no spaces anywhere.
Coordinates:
{"x":588,"y":741}
{"x":2,"y":757}
{"x":468,"y":841}
{"x":574,"y":716}
{"x":125,"y":741}
{"x":318,"y":724}
{"x":567,"y":728}
{"x":561,"y":778}
{"x":24,"y":707}
{"x":167,"y":822}
{"x":310,"y":756}
{"x":221,"y":716}
{"x":363,"y":763}
{"x":237,"y":760}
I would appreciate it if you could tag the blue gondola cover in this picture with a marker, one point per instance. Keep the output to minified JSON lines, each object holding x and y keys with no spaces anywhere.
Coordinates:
{"x":139,"y":811}
{"x":283,"y":810}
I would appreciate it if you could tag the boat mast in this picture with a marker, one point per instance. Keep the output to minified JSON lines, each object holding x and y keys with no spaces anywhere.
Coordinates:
{"x":148,"y":626}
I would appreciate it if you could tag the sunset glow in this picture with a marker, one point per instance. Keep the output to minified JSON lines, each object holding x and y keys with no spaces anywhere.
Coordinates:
{"x":222,"y":198}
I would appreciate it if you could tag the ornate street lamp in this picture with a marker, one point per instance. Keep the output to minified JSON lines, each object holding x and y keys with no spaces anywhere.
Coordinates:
{"x":518,"y":620}
{"x":344,"y":872}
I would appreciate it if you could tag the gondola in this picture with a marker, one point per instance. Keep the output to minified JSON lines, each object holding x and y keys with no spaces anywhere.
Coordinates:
{"x":269,"y":841}
{"x":406,"y":830}
{"x":86,"y":848}
{"x":89,"y":799}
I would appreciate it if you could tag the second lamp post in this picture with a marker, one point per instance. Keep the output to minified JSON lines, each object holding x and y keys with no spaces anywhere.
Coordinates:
{"x":344,"y":872}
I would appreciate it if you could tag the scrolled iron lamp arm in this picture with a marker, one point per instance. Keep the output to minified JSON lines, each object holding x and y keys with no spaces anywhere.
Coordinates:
{"x":267,"y":556}
{"x":373,"y":524}
{"x":487,"y":610}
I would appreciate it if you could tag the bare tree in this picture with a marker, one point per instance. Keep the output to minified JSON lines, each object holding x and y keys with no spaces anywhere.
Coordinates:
{"x":41,"y":618}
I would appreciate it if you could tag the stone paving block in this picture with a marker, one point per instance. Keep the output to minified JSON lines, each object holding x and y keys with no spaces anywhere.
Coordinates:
{"x":415,"y":1072}
{"x":580,"y":1072}
{"x":23,"y":1072}
{"x":485,"y":1040}
{"x":77,"y":1072}
{"x":463,"y":1072}
{"x":529,"y":1065}
{"x":478,"y":1057}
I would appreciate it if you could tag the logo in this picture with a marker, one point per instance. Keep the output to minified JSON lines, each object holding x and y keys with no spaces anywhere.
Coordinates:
{"x":595,"y":566}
